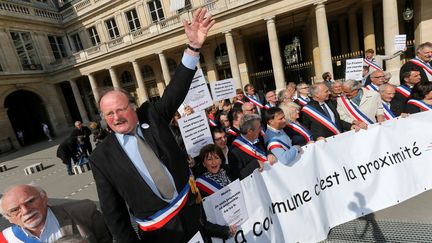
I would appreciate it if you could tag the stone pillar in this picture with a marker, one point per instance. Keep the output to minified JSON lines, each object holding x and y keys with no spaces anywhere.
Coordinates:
{"x":315,"y":52}
{"x":79,"y":101}
{"x":354,"y":38}
{"x":276,"y":58}
{"x":343,"y":34}
{"x":323,"y":37}
{"x":94,"y":87}
{"x":209,"y":59}
{"x":391,"y":28}
{"x":368,"y":25}
{"x":141,"y":90}
{"x":165,"y":69}
{"x":6,"y":129}
{"x":422,"y":21}
{"x":232,"y":55}
{"x":114,"y":78}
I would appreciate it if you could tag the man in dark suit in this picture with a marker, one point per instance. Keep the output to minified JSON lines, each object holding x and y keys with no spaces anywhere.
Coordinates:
{"x":421,"y":63}
{"x":82,"y":133}
{"x":26,"y":207}
{"x":139,"y":168}
{"x":320,"y":103}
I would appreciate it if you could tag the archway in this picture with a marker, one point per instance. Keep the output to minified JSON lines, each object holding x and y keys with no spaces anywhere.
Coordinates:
{"x":26,"y":112}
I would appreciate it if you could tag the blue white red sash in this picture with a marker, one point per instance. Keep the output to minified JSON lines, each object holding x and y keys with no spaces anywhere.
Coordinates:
{"x":255,"y":102}
{"x":388,"y":114}
{"x":354,"y":110}
{"x":231,"y":132}
{"x":276,"y":143}
{"x":372,"y":64}
{"x":301,"y":130}
{"x":268,"y":106}
{"x":15,"y":234}
{"x":212,"y":121}
{"x":302,"y":101}
{"x":207,"y":185}
{"x":250,"y":149}
{"x":426,"y":67}
{"x":420,"y":104}
{"x":404,"y":91}
{"x":321,"y":118}
{"x":371,"y":86}
{"x":240,"y":102}
{"x":163,"y":216}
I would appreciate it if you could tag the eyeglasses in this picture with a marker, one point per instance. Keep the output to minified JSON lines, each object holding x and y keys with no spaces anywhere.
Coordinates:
{"x":378,"y":77}
{"x":307,"y":87}
{"x":13,"y":212}
{"x":119,"y":111}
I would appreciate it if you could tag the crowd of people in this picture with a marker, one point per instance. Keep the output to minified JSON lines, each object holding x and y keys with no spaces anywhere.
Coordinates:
{"x":141,"y":168}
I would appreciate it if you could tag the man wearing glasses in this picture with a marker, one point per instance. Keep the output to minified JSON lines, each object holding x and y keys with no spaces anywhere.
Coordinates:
{"x":139,"y":169}
{"x":26,"y":207}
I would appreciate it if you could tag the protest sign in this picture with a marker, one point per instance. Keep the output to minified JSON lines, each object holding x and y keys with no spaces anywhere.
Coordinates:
{"x":223,"y":89}
{"x":400,"y":42}
{"x":195,"y":132}
{"x":198,"y":97}
{"x":354,"y":69}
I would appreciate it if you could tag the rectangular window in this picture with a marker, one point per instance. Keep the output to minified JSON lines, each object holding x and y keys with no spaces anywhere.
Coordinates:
{"x":156,"y":10}
{"x":57,"y":47}
{"x":112,"y":28}
{"x":94,"y":37}
{"x":133,"y":21}
{"x":188,"y":6}
{"x":26,"y":51}
{"x":77,"y":42}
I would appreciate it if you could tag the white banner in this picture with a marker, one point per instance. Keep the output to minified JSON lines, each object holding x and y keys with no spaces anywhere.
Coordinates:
{"x":354,"y":69}
{"x":198,"y":96}
{"x":348,"y":176}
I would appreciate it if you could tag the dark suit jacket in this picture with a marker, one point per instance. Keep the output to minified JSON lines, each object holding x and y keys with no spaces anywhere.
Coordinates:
{"x":67,"y":150}
{"x":240,"y":163}
{"x":85,"y":132}
{"x":82,"y":218}
{"x":122,"y":189}
{"x":411,"y":109}
{"x":316,"y":128}
{"x":397,"y":104}
{"x":409,"y":66}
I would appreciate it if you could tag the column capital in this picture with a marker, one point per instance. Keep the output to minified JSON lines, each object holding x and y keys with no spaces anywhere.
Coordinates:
{"x":319,"y":3}
{"x":160,"y":53}
{"x":227,"y":32}
{"x":269,"y":19}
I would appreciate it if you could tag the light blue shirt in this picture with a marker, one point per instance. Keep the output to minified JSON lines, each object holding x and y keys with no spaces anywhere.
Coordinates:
{"x":129,"y":144}
{"x":285,"y":157}
{"x":190,"y":61}
{"x":50,"y":232}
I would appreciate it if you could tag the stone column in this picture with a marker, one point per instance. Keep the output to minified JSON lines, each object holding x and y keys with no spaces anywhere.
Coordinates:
{"x":142,"y":93}
{"x":6,"y":129}
{"x":315,"y":52}
{"x":368,"y":25}
{"x":391,"y":28}
{"x":276,"y":58}
{"x":343,"y":34}
{"x":209,"y":59}
{"x":232,"y":55}
{"x":79,"y":101}
{"x":354,"y":38}
{"x":114,"y":78}
{"x":323,"y":37}
{"x":165,"y":70}
{"x":422,"y":21}
{"x":94,"y":87}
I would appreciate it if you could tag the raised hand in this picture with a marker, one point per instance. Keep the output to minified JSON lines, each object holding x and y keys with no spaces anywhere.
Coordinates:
{"x":198,"y":29}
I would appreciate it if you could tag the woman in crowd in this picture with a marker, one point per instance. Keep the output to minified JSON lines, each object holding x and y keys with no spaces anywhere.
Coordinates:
{"x":420,"y":98}
{"x":213,"y":177}
{"x":299,"y":134}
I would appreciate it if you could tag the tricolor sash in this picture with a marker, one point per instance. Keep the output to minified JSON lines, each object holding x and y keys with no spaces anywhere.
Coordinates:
{"x":276,"y":143}
{"x":354,"y":110}
{"x":302,"y":101}
{"x":15,"y":234}
{"x":240,"y":102}
{"x":207,"y":185}
{"x":250,"y":149}
{"x":255,"y":102}
{"x":212,"y":121}
{"x":163,"y":216}
{"x":426,"y":67}
{"x":301,"y":130}
{"x":388,"y":114}
{"x":321,"y":118}
{"x":420,"y":104}
{"x":268,"y":106}
{"x":231,"y":132}
{"x":404,"y":91}
{"x":372,"y":64}
{"x":371,"y":86}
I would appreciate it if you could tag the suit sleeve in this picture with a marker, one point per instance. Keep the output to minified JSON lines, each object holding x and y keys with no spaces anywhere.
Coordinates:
{"x":234,"y":165}
{"x":99,"y":227}
{"x":411,"y":109}
{"x":283,"y":156}
{"x":114,"y":208}
{"x":175,"y":92}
